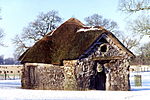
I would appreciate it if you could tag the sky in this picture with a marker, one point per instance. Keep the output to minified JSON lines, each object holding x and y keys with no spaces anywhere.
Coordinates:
{"x":17,"y":14}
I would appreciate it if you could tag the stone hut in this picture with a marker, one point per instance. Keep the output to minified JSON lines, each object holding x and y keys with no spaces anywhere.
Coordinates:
{"x":77,"y":57}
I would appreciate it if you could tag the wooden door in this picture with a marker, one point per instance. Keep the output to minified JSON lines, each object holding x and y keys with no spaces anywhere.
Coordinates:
{"x":31,"y":76}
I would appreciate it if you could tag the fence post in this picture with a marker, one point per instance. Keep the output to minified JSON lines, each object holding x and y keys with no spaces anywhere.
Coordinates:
{"x":5,"y":75}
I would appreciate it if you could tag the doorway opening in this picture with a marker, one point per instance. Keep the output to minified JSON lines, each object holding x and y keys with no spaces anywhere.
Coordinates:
{"x":98,"y":81}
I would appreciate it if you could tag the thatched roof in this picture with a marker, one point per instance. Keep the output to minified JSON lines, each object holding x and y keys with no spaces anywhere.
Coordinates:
{"x":68,"y":41}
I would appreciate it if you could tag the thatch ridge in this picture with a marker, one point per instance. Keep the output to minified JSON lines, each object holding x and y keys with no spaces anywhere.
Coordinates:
{"x":64,"y":43}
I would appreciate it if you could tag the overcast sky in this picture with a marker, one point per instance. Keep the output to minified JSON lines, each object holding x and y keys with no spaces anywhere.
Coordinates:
{"x":16,"y":14}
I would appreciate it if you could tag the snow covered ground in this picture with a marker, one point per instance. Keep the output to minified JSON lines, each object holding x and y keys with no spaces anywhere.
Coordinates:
{"x":145,"y":77}
{"x":10,"y":90}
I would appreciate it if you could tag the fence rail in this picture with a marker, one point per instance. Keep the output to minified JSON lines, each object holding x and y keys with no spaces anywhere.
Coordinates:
{"x":140,"y":68}
{"x":10,"y":76}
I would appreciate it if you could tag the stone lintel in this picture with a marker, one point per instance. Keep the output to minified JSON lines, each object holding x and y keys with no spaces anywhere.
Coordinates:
{"x":108,"y":58}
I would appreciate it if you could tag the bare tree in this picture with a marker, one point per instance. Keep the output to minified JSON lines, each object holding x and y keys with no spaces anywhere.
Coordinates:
{"x":37,"y":29}
{"x":146,"y":49}
{"x":141,"y":25}
{"x":130,"y":41}
{"x":131,"y":6}
{"x":143,"y":53}
{"x":1,"y":59}
{"x":1,"y":35}
{"x":98,"y":20}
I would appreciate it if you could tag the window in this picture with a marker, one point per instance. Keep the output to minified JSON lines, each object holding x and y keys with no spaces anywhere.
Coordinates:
{"x":0,"y":71}
{"x":103,"y":48}
{"x":7,"y":71}
{"x":11,"y":71}
{"x":18,"y":71}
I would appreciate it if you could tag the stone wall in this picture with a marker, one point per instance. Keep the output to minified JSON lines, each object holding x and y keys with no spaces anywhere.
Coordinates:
{"x":69,"y":72}
{"x":117,"y":70}
{"x":84,"y":72}
{"x":43,"y":76}
{"x":118,"y":75}
{"x":48,"y":76}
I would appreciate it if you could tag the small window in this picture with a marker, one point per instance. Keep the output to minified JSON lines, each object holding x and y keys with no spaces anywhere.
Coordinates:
{"x":18,"y":71}
{"x":103,"y":48}
{"x":7,"y":71}
{"x":11,"y":71}
{"x":0,"y":71}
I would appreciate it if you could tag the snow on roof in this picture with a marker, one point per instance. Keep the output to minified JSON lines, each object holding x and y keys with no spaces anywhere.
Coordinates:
{"x":87,"y":28}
